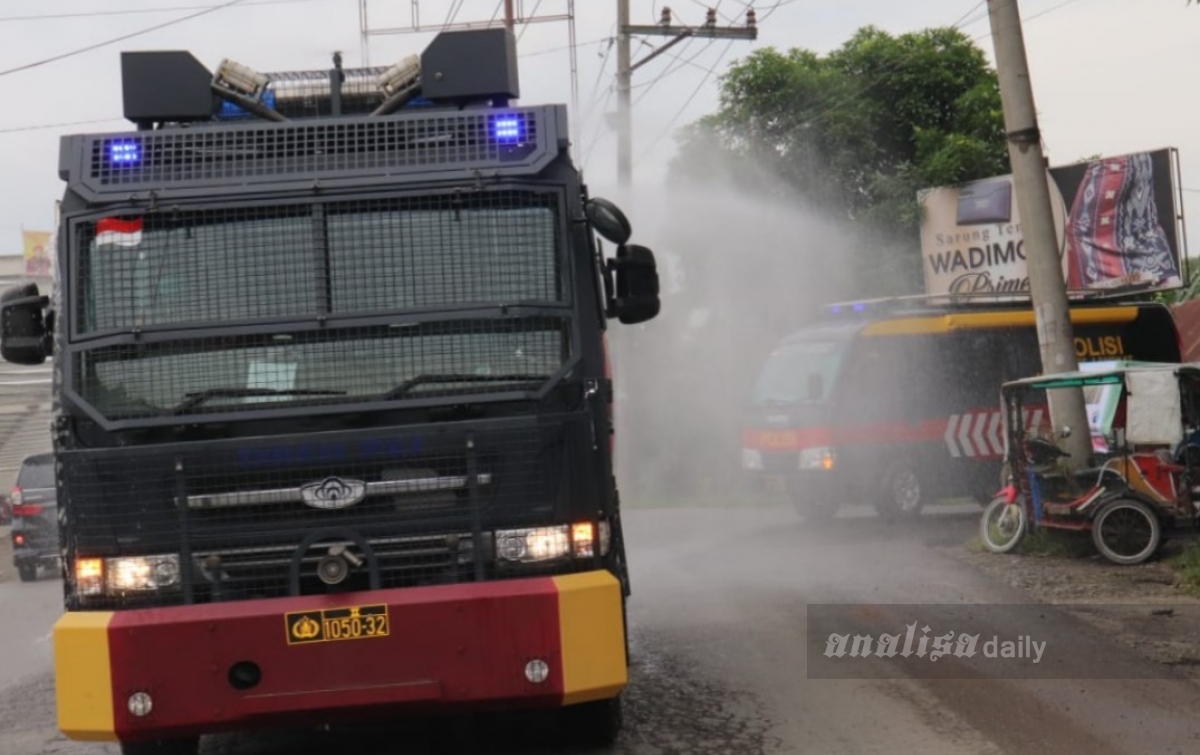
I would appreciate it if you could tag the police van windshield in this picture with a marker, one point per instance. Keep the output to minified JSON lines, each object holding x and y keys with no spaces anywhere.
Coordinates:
{"x":799,"y":372}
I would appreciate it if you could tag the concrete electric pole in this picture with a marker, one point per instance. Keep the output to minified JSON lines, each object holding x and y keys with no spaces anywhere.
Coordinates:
{"x":626,"y":66}
{"x":1047,"y":287}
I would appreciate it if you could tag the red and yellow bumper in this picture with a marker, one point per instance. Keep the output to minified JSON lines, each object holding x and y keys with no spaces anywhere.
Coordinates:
{"x":447,"y":647}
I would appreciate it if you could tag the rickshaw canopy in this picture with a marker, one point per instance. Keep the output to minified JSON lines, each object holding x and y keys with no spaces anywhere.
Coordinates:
{"x":1154,"y":412}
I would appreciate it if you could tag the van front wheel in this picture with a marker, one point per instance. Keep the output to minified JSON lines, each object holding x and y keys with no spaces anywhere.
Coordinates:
{"x":901,"y":494}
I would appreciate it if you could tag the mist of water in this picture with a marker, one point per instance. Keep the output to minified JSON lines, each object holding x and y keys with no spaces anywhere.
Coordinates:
{"x":738,"y":272}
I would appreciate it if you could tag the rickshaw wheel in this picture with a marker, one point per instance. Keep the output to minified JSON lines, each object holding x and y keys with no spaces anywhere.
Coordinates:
{"x":1003,"y":525}
{"x":1126,"y":531}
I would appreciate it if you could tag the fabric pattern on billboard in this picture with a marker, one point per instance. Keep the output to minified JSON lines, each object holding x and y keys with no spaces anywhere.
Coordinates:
{"x":1114,"y":238}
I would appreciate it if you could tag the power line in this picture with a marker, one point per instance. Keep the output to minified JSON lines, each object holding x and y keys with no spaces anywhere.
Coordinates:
{"x":678,"y":65}
{"x":595,"y":93}
{"x":549,"y":50}
{"x":532,"y":14}
{"x":140,"y":11}
{"x":46,"y":126}
{"x":121,"y":38}
{"x":684,"y":107}
{"x":452,"y":13}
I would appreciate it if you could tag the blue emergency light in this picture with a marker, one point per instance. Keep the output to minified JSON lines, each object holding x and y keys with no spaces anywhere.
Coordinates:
{"x":124,"y":152}
{"x":509,"y":129}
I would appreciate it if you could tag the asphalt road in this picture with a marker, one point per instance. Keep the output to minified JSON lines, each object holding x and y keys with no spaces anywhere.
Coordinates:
{"x":718,"y":622}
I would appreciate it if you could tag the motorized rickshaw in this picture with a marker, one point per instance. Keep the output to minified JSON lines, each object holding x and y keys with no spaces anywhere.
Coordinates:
{"x":1142,"y":482}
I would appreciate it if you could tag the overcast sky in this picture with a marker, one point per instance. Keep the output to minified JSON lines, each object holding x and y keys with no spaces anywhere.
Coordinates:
{"x":1110,"y":76}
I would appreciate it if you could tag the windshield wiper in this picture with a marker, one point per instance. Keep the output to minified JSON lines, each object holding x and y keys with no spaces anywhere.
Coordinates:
{"x":417,"y":380}
{"x":192,"y":400}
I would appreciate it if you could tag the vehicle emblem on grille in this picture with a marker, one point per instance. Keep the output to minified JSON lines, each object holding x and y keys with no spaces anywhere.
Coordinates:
{"x":333,"y":493}
{"x":306,"y":628}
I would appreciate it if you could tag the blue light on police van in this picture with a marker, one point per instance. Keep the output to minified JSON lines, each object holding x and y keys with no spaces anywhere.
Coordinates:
{"x":508,"y":128}
{"x":836,"y":309}
{"x":860,"y":307}
{"x":124,"y":152}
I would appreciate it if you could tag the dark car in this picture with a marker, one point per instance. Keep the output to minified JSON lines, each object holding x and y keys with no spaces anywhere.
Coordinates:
{"x":35,"y":517}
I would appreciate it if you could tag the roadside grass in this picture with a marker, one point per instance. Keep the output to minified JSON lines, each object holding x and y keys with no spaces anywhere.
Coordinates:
{"x":1047,"y":543}
{"x":1187,"y":568}
{"x":1057,"y":544}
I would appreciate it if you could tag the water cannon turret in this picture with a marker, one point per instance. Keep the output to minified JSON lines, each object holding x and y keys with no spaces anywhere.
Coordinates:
{"x":477,"y":67}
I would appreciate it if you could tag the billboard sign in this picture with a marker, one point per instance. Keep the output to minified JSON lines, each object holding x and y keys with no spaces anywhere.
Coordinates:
{"x":1117,"y":221}
{"x":37,"y":252}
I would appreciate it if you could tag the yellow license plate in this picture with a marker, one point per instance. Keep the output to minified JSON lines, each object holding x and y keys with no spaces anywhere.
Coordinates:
{"x":334,"y":624}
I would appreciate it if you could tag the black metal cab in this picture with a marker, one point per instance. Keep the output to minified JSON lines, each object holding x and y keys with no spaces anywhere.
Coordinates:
{"x":331,"y":330}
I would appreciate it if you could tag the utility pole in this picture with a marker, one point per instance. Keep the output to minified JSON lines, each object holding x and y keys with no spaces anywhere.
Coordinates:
{"x":624,"y":100}
{"x":626,"y":66}
{"x":1048,"y":290}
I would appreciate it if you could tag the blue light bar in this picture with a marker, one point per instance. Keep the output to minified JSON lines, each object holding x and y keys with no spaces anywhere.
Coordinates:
{"x":860,"y":307}
{"x":232,"y":112}
{"x":509,"y":129}
{"x":125,"y":152}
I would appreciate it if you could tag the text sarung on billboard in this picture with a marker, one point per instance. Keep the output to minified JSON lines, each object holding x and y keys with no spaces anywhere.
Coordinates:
{"x":1116,"y":220}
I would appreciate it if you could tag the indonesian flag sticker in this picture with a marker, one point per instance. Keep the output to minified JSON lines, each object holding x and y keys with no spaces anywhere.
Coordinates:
{"x":119,"y":232}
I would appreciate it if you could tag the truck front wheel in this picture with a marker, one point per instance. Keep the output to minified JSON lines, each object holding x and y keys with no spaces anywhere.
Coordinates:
{"x":188,"y":746}
{"x":901,"y":494}
{"x":593,"y":724}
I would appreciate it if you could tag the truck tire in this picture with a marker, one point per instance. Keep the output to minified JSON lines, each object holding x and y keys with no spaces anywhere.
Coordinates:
{"x":592,"y":724}
{"x":901,"y":494}
{"x":187,"y":746}
{"x":27,"y":571}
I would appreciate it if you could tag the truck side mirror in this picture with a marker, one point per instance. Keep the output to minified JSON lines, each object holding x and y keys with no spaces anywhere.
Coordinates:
{"x":608,"y":220}
{"x":24,"y":335}
{"x":636,"y":297}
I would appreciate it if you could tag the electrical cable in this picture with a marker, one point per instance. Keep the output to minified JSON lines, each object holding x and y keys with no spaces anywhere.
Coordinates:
{"x":122,"y":38}
{"x":45,"y":126}
{"x":139,"y":11}
{"x":532,"y":14}
{"x":692,"y":96}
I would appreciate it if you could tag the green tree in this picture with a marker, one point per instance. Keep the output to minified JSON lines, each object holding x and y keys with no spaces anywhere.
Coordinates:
{"x":856,"y":132}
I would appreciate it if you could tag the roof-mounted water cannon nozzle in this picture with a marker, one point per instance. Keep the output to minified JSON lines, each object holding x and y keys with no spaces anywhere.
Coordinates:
{"x":244,"y":87}
{"x":400,"y":84}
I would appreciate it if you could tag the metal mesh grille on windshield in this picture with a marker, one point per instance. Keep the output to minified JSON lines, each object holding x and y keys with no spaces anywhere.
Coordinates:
{"x":335,"y":258}
{"x":247,"y":372}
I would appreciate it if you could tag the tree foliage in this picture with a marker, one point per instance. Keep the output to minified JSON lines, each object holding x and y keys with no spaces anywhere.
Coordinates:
{"x":858,"y":131}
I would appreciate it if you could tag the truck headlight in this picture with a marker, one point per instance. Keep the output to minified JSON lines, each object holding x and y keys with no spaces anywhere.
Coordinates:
{"x":820,"y":457}
{"x":751,"y":459}
{"x":535,"y":544}
{"x":141,"y":573}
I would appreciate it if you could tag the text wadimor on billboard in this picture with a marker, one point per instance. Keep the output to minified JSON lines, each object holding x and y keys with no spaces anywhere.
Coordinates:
{"x":1116,"y":220}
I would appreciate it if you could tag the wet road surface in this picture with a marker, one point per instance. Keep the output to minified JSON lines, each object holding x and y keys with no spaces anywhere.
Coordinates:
{"x":717,"y":623}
